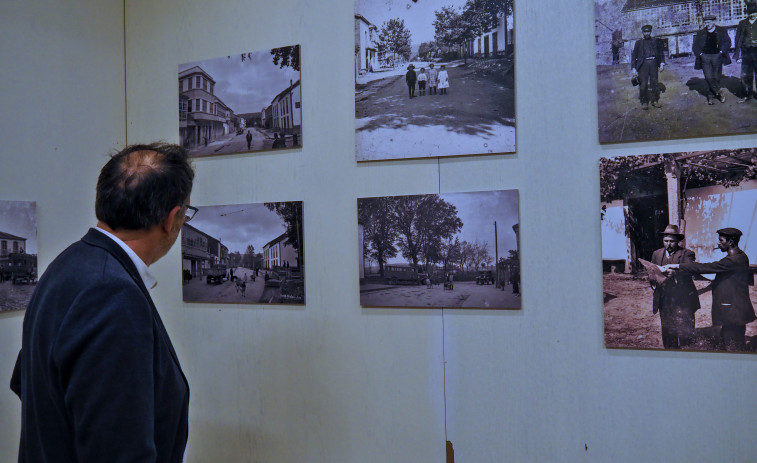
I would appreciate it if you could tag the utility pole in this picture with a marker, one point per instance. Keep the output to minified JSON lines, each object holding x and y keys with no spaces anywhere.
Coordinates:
{"x":496,"y":253}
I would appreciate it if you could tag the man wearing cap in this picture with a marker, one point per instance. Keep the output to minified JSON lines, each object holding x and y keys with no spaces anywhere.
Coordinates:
{"x":647,"y":58}
{"x":745,"y":51}
{"x":731,"y":307}
{"x":676,"y":298}
{"x":711,"y":45}
{"x":410,"y":79}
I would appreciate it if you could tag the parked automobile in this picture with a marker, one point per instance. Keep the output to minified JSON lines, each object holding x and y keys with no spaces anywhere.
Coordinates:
{"x":216,"y":274}
{"x":485,"y":277}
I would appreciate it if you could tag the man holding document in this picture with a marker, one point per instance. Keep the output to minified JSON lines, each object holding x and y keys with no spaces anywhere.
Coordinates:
{"x":675,"y":297}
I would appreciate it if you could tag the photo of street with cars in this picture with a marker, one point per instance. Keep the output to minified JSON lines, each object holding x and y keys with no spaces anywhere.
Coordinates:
{"x":244,"y":254}
{"x":434,"y":79}
{"x":241,"y":103}
{"x":18,"y":253}
{"x":440,"y":250}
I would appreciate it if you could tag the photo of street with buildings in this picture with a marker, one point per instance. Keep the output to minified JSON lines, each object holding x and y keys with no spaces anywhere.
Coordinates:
{"x":679,"y":248}
{"x":440,"y":250}
{"x":244,"y":254}
{"x":686,"y":86}
{"x":434,"y":78}
{"x":241,"y":103}
{"x":18,"y":253}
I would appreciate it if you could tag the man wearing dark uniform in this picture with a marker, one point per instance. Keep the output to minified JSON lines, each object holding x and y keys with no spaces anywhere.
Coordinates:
{"x":647,"y":58}
{"x":745,"y":51}
{"x":711,"y":45}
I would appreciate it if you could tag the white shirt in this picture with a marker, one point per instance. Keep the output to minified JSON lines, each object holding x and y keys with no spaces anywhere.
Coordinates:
{"x":144,"y":272}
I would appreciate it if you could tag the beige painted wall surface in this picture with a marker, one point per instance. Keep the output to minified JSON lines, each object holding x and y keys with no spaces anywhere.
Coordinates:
{"x":62,"y":74}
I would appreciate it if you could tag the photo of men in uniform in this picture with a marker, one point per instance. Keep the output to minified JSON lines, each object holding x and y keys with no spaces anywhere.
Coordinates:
{"x":684,"y":56}
{"x":666,"y":220}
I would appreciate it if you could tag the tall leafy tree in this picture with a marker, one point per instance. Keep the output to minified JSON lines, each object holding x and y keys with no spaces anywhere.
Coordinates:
{"x":286,"y":56}
{"x":423,"y":221}
{"x":395,"y":37}
{"x":379,"y":228}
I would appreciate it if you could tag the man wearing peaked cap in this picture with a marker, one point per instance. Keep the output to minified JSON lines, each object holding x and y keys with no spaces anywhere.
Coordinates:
{"x":711,"y":45}
{"x":731,"y":306}
{"x":745,"y":51}
{"x":676,"y":299}
{"x":646,"y":60}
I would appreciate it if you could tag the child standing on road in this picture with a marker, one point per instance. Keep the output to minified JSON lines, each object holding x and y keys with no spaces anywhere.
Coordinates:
{"x":432,"y":75}
{"x":410,"y":79}
{"x":422,"y":78}
{"x":443,"y":81}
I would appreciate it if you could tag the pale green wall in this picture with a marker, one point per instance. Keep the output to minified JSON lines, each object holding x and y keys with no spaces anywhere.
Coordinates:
{"x":62,"y":93}
{"x":332,"y":382}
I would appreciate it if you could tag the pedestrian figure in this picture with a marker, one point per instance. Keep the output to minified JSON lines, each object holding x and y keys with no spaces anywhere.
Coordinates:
{"x":433,"y":74}
{"x":676,"y":298}
{"x":443,"y":81}
{"x":278,"y":142}
{"x":295,"y":140}
{"x":515,"y":281}
{"x":249,"y":139}
{"x":410,"y":78}
{"x":422,"y":78}
{"x":428,"y":282}
{"x":745,"y":51}
{"x":646,"y":60}
{"x":711,"y":45}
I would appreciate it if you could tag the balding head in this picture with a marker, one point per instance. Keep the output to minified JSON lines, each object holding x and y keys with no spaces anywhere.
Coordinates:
{"x":140,"y":185}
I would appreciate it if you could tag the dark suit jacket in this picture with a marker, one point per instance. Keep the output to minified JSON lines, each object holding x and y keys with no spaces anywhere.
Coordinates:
{"x":724,"y":43}
{"x":730,"y":290}
{"x":638,"y":56}
{"x":742,"y":35}
{"x":98,"y":378}
{"x":678,"y":290}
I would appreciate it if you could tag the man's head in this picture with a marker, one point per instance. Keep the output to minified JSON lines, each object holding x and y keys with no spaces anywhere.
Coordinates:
{"x":431,"y":66}
{"x":646,"y":30}
{"x":751,"y":10}
{"x":709,"y":22}
{"x":139,"y":186}
{"x":671,"y":238}
{"x":728,"y":238}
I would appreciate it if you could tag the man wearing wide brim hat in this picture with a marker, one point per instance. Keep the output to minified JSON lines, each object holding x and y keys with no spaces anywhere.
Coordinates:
{"x":731,"y":306}
{"x":711,"y":45}
{"x":410,"y":79}
{"x":676,"y":298}
{"x":647,"y":59}
{"x":745,"y":51}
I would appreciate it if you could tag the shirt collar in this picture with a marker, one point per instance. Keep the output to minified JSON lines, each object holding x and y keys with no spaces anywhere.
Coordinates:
{"x":144,"y":271}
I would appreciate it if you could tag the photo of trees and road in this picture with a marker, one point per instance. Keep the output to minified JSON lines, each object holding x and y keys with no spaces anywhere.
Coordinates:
{"x":685,"y":102}
{"x":433,"y":78}
{"x":440,"y":250}
{"x":18,"y":253}
{"x":241,"y":102}
{"x":688,"y":197}
{"x":244,"y":254}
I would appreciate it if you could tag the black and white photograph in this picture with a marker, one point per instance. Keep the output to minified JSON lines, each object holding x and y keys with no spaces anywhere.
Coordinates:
{"x":434,"y":78}
{"x":451,"y":250}
{"x":244,"y":254}
{"x":675,"y":69}
{"x":241,"y":103}
{"x":18,"y":253}
{"x":679,"y":248}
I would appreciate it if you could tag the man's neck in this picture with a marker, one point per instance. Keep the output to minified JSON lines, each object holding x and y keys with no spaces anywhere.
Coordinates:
{"x":138,"y":240}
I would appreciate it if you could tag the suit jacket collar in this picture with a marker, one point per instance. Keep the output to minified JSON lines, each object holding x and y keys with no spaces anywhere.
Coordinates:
{"x":95,"y":238}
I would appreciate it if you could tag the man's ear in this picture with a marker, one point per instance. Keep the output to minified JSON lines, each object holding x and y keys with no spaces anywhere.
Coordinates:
{"x":168,"y":223}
